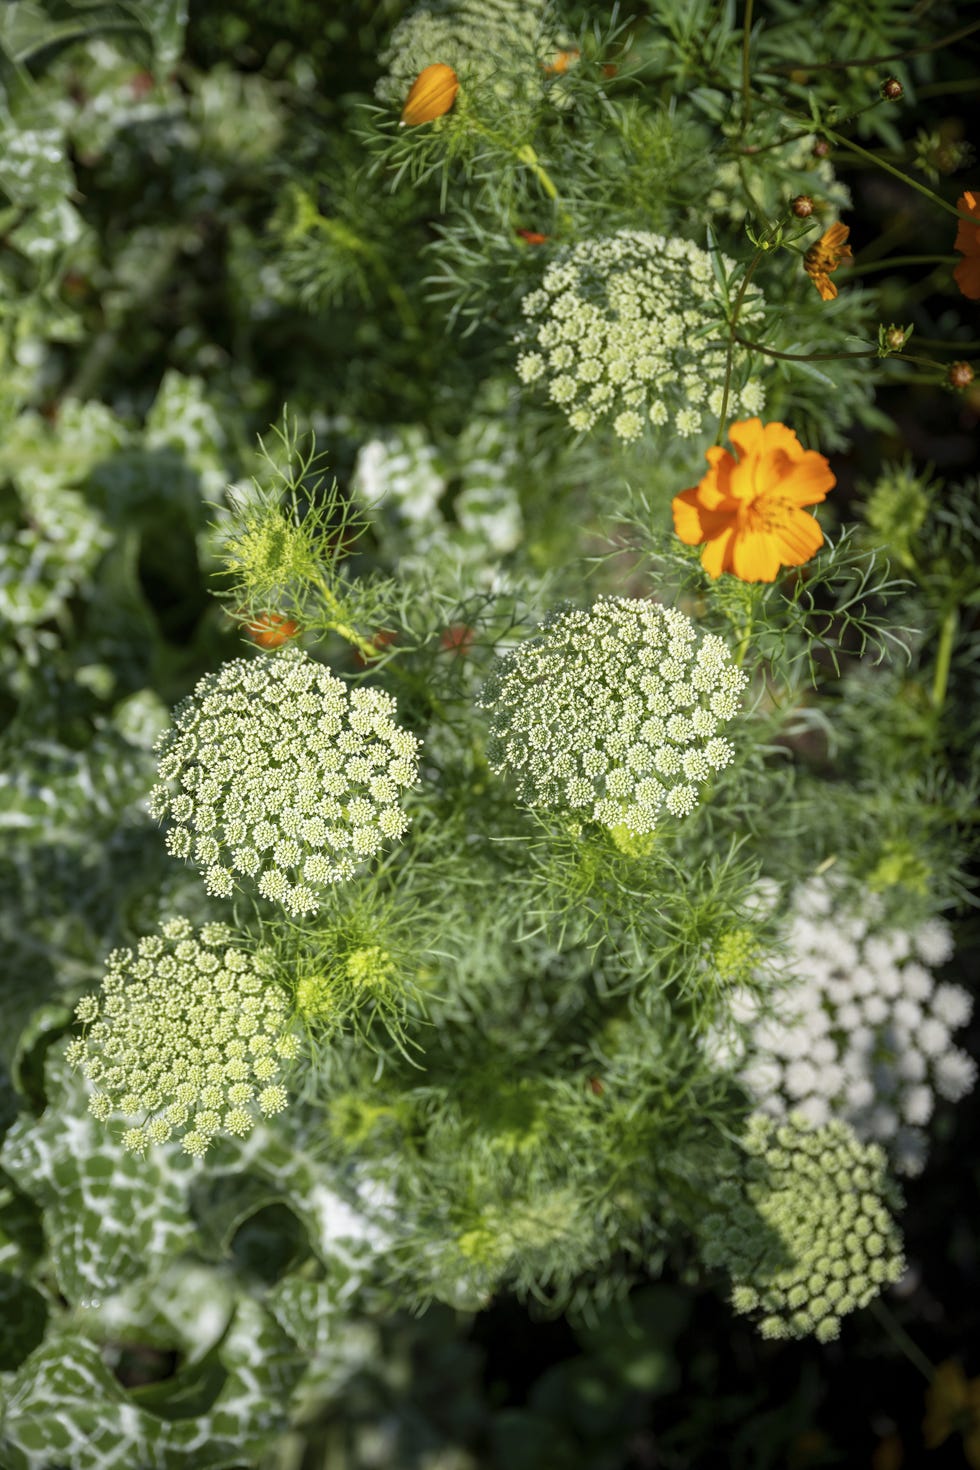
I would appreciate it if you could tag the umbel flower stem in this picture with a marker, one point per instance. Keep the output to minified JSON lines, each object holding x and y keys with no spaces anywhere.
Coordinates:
{"x":902,"y":1340}
{"x":337,"y":625}
{"x":944,"y":654}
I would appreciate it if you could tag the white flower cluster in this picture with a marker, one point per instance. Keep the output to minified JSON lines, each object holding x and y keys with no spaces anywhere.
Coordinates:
{"x":276,"y":771}
{"x":631,"y":328}
{"x":189,"y":1035}
{"x":496,"y":41}
{"x":863,"y":1033}
{"x":405,"y":479}
{"x":613,"y":713}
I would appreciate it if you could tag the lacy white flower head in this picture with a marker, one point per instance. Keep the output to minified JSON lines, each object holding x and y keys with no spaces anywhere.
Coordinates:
{"x":492,"y":41}
{"x":806,"y":1233}
{"x":613,"y":713}
{"x":276,"y":771}
{"x":862,"y":1031}
{"x":631,"y":328}
{"x":189,"y":1035}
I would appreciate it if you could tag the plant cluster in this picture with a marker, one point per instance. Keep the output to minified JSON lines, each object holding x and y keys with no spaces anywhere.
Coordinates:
{"x":502,"y":832}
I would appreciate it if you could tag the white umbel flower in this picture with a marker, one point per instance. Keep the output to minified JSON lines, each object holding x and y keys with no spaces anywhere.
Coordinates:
{"x":277,"y":772}
{"x":631,"y":328}
{"x":613,"y":713}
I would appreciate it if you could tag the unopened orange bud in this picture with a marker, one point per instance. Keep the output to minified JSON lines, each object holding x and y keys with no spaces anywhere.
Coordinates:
{"x":802,"y":206}
{"x":432,"y":94}
{"x":271,"y":630}
{"x":457,"y":638}
{"x":532,"y":237}
{"x":562,"y":61}
{"x":892,"y":90}
{"x":380,"y":642}
{"x":960,"y":375}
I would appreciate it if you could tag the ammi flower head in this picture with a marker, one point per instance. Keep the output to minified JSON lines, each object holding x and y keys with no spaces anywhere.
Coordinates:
{"x":748,"y":511}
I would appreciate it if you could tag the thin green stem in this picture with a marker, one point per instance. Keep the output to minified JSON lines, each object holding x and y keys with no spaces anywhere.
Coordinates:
{"x":336,"y":623}
{"x":525,"y":154}
{"x":879,"y":162}
{"x":858,"y":269}
{"x":746,"y":64}
{"x":805,"y":356}
{"x":902,"y":1340}
{"x":732,"y":338}
{"x":944,"y":655}
{"x":743,"y":643}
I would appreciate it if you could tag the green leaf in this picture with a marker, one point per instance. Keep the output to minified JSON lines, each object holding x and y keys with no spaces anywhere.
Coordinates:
{"x":65,"y":1407}
{"x":108,"y":1214}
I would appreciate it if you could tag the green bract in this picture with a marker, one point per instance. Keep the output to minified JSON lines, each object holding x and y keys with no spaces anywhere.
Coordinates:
{"x":806,"y":1234}
{"x":613,"y":713}
{"x":188,"y":1035}
{"x":277,"y":772}
{"x":632,"y":328}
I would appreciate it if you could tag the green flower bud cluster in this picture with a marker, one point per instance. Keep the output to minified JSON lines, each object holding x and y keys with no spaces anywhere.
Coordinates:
{"x":495,"y":41}
{"x":632,"y":328}
{"x":276,"y":771}
{"x":806,"y":1235}
{"x":613,"y":713}
{"x":189,"y":1035}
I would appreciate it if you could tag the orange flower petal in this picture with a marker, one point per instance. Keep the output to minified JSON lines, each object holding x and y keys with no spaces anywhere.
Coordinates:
{"x":687,"y":517}
{"x":716,"y":556}
{"x":745,"y":435}
{"x":806,"y":480}
{"x":967,"y":276}
{"x":799,"y":538}
{"x":755,"y":557}
{"x":432,"y":94}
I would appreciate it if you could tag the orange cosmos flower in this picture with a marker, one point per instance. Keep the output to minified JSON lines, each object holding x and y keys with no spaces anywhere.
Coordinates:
{"x":748,"y":511}
{"x":967,"y":273}
{"x":825,"y":256}
{"x":432,"y":93}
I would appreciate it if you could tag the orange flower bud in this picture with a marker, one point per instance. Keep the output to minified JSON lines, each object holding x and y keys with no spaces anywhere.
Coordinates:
{"x":380,"y":641}
{"x":532,"y":237}
{"x":432,"y":94}
{"x":892,"y":89}
{"x":457,"y":638}
{"x":802,"y":206}
{"x":271,"y":630}
{"x":562,"y":61}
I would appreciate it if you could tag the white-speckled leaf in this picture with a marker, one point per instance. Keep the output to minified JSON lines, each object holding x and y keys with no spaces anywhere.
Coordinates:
{"x":65,"y":1407}
{"x":109,"y":1215}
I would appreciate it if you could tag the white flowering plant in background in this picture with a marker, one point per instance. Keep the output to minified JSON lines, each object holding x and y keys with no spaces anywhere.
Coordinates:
{"x":862,"y":1031}
{"x":488,"y":789}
